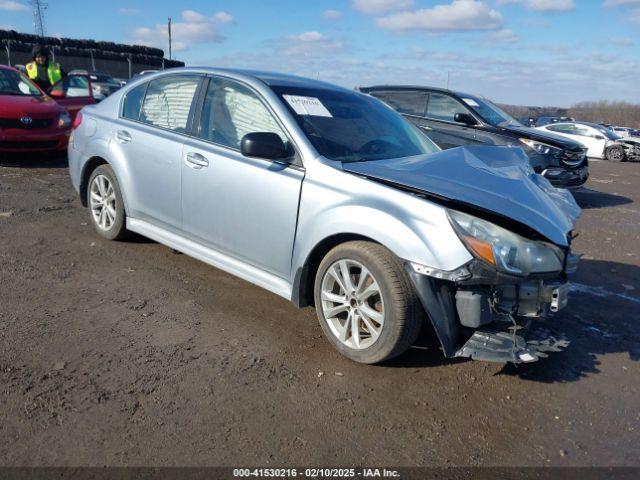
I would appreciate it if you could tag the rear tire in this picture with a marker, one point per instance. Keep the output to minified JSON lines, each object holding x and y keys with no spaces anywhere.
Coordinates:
{"x":615,"y":154}
{"x":371,"y":313}
{"x":106,"y":207}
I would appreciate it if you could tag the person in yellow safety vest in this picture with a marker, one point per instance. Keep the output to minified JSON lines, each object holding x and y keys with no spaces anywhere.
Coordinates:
{"x":41,"y":70}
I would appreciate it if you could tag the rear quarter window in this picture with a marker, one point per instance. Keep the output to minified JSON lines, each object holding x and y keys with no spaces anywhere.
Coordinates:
{"x":133,"y":102}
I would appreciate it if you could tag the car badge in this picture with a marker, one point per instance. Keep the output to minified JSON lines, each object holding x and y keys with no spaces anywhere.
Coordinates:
{"x":26,"y":120}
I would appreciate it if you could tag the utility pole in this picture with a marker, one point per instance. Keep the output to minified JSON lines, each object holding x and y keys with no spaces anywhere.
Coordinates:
{"x":8,"y":47}
{"x":39,"y":8}
{"x":169,"y":26}
{"x":448,"y":78}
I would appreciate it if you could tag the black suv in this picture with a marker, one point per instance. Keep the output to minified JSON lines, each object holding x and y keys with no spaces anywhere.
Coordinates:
{"x":453,"y":119}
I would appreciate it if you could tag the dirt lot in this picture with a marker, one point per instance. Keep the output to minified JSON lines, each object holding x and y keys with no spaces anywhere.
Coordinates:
{"x":130,"y":354}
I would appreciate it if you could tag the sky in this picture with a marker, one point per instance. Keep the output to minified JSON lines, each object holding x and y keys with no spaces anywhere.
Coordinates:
{"x":522,"y":52}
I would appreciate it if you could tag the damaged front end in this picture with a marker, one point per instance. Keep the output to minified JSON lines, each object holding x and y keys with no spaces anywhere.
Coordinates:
{"x":489,"y":308}
{"x":518,"y":229}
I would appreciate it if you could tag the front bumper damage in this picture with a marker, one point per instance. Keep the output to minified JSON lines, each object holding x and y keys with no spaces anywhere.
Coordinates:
{"x":482,"y":314}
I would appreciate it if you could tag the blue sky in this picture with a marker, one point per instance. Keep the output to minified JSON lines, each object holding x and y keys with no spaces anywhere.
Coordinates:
{"x":526,"y":52}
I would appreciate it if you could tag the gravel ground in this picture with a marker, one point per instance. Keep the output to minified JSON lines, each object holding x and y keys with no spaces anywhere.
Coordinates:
{"x":129,"y":354}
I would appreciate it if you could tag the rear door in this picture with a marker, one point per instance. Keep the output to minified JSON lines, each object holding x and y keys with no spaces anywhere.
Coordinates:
{"x":245,"y":207}
{"x":441,"y":124}
{"x":149,"y":136}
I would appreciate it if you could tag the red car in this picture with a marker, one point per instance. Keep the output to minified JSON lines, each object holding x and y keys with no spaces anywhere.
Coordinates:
{"x":30,"y":120}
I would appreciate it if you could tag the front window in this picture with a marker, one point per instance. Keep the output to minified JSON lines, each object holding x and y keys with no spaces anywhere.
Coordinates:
{"x":352,"y":127}
{"x":231,"y":111}
{"x":443,"y":107}
{"x":14,"y":83}
{"x":493,"y":114}
{"x":607,"y":132}
{"x":72,"y":86}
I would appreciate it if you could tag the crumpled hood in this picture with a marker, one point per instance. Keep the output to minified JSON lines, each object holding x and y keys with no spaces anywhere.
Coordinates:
{"x":496,"y":179}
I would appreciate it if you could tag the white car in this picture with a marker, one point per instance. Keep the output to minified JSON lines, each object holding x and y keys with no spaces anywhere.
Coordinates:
{"x":600,"y":141}
{"x":621,"y":131}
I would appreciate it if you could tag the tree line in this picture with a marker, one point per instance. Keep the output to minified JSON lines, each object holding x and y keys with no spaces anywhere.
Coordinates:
{"x":617,"y":113}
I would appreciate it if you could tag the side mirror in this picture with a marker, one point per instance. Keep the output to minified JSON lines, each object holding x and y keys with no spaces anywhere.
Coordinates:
{"x":464,"y":118}
{"x":267,"y":145}
{"x":56,"y":93}
{"x":598,"y":137}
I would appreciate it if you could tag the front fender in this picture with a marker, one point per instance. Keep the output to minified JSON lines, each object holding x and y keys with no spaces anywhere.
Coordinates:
{"x":413,"y":228}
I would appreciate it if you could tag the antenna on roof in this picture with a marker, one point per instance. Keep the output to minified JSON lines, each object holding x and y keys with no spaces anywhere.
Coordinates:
{"x":38,"y":16}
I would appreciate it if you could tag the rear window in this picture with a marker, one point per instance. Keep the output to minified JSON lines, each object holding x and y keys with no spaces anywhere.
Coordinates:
{"x":168,"y":101}
{"x":133,"y":102}
{"x":408,"y":102}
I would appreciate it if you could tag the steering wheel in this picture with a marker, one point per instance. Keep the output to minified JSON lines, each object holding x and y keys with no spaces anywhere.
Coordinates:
{"x":375,"y":147}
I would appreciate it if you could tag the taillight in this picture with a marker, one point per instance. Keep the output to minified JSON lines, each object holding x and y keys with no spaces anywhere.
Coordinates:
{"x":77,"y":121}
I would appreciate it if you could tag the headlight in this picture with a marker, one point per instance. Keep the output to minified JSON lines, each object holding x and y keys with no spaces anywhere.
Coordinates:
{"x":64,"y":120}
{"x":505,"y":250}
{"x":539,"y":147}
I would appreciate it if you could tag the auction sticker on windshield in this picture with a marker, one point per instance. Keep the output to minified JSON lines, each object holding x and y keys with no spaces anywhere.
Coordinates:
{"x":307,"y":106}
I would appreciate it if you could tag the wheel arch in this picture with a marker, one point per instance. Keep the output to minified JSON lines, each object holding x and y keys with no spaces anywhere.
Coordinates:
{"x":303,"y":282}
{"x":90,"y":165}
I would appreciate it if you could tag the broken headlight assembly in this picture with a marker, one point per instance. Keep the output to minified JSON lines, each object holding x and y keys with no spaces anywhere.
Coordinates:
{"x":539,"y":147}
{"x":504,"y":250}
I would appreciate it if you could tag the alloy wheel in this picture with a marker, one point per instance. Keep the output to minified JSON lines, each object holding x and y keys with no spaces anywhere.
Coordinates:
{"x":102,"y":199}
{"x":352,"y":304}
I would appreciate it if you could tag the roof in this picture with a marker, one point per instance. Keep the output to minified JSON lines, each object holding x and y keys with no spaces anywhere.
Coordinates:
{"x":417,"y":87}
{"x":274,"y":79}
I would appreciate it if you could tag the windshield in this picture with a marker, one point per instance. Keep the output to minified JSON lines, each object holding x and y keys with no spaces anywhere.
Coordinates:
{"x":607,"y":132}
{"x":352,"y":127}
{"x":13,"y":83}
{"x":491,"y":112}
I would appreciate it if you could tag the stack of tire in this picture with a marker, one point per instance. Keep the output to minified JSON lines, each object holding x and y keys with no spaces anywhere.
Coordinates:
{"x":24,"y":42}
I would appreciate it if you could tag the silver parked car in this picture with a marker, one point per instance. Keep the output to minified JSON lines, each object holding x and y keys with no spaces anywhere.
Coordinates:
{"x":328,"y":197}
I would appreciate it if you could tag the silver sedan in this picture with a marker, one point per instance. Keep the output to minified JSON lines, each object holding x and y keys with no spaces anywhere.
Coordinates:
{"x":327,"y":197}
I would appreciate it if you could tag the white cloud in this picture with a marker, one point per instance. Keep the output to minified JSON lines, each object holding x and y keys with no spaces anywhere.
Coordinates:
{"x":459,"y":15}
{"x":377,"y":7}
{"x":331,"y":14}
{"x":12,"y":6}
{"x":224,"y":17}
{"x":309,"y":44}
{"x":505,"y":35}
{"x":546,"y":5}
{"x":195,"y":28}
{"x":617,"y":3}
{"x":128,"y":11}
{"x":623,"y":41}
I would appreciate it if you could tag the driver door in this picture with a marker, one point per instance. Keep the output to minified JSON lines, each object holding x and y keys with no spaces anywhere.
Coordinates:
{"x":73,"y":92}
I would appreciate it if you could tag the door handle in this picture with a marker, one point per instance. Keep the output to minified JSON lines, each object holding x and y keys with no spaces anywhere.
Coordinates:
{"x":196,"y":161}
{"x":425,"y":128}
{"x":123,"y":136}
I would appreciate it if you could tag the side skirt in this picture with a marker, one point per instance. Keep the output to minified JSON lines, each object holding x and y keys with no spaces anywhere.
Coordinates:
{"x":212,"y":257}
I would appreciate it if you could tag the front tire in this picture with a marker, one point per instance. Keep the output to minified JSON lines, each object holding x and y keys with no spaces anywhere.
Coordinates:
{"x":366,"y":304}
{"x":106,"y":208}
{"x":615,"y":154}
